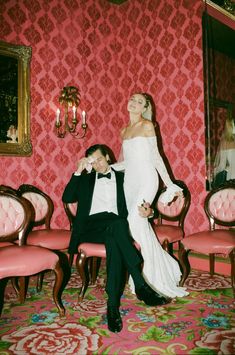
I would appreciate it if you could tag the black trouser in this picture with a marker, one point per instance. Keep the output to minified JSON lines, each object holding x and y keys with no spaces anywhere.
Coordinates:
{"x":121,"y":254}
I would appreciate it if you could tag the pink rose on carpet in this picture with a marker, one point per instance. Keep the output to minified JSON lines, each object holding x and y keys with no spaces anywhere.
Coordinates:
{"x":96,"y":306}
{"x":205,"y":281}
{"x":222,"y":341}
{"x":70,"y":338}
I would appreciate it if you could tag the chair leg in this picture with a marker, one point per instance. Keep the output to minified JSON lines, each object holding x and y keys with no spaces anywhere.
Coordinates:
{"x":40,"y":281}
{"x":168,"y":247}
{"x":71,"y":256}
{"x":232,"y":261}
{"x":3,"y":283}
{"x":184,"y":262}
{"x":82,"y":268}
{"x":15,"y":285}
{"x":95,"y":265}
{"x":57,"y":289}
{"x":165,"y":245}
{"x":212,"y":264}
{"x":22,"y":289}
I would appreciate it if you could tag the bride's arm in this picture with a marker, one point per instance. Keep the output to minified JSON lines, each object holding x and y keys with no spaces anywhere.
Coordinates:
{"x":149,"y":131}
{"x":159,"y":163}
{"x":172,"y":189}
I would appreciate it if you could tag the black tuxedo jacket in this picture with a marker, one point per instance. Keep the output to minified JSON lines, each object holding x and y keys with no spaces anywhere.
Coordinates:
{"x":80,"y":189}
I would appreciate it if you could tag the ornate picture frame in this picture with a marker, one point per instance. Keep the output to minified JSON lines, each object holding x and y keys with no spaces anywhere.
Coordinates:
{"x":15,"y":99}
{"x":218,"y":28}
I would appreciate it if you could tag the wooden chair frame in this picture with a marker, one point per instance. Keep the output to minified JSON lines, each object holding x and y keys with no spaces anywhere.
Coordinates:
{"x":213,"y":221}
{"x":20,"y":233}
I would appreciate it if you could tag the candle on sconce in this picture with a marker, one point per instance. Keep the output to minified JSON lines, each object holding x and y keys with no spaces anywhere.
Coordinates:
{"x":83,"y":117}
{"x":74,"y":111}
{"x":58,"y":115}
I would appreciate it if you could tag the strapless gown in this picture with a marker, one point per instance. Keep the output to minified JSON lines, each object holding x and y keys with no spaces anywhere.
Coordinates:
{"x":142,"y":164}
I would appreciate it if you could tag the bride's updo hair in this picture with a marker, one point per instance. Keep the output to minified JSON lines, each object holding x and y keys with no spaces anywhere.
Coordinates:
{"x":148,"y":113}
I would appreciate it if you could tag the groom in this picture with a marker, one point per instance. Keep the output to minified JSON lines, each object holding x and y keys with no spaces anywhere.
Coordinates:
{"x":102,"y":218}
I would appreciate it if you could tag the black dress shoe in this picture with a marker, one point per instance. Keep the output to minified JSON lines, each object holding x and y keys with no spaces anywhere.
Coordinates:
{"x":150,"y":297}
{"x":114,"y":319}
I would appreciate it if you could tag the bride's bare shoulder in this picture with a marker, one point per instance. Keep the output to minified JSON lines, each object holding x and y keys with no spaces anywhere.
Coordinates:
{"x":148,"y":127}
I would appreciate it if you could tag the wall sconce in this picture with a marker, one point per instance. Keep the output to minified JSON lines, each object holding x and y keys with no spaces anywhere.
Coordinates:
{"x":70,"y":99}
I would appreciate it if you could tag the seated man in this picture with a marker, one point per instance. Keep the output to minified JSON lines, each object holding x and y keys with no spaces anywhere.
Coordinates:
{"x":102,"y":218}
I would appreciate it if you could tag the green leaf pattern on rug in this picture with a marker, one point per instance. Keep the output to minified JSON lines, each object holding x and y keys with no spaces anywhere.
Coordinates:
{"x":90,"y":322}
{"x":157,"y":334}
{"x":203,"y":351}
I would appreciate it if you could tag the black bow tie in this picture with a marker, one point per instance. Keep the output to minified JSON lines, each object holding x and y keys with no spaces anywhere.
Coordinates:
{"x":100,"y":175}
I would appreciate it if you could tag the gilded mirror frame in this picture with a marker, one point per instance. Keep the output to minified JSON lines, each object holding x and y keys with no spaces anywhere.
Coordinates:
{"x":22,"y":55}
{"x":217,"y":107}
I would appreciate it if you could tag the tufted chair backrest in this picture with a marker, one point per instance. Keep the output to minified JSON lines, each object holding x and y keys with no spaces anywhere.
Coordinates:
{"x":220,"y":206}
{"x":71,"y":210}
{"x":177,"y":209}
{"x":42,"y":203}
{"x":16,"y":214}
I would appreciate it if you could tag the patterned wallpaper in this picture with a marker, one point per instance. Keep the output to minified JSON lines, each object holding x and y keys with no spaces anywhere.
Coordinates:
{"x":109,"y":52}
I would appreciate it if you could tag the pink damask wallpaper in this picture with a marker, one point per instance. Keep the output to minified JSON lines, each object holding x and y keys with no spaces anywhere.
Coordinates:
{"x":109,"y":52}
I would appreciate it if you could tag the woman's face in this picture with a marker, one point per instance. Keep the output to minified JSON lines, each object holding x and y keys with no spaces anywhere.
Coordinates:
{"x":136,"y":104}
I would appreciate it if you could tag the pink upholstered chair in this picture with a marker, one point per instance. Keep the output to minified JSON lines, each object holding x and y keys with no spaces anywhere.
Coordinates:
{"x":10,"y":189}
{"x":220,"y":209}
{"x":170,"y":233}
{"x":6,"y":188}
{"x":54,"y":239}
{"x":20,"y":261}
{"x":89,"y":254}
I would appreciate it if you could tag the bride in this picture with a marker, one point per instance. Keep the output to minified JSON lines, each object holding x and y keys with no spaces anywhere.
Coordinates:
{"x":142,"y":164}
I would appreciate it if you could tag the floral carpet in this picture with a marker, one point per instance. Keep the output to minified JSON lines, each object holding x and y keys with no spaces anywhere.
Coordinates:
{"x":202,"y":323}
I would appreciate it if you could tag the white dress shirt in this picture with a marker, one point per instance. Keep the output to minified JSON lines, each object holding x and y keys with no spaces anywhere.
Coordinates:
{"x":105,"y":195}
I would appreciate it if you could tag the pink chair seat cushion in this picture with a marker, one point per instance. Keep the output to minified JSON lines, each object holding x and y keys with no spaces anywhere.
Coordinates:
{"x":171,"y":233}
{"x":5,"y":244}
{"x":96,"y":249}
{"x":219,"y":241}
{"x":25,"y":260}
{"x":93,"y":249}
{"x":50,"y":238}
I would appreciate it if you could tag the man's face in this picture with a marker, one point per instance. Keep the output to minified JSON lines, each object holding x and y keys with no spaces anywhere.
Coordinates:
{"x":99,"y":162}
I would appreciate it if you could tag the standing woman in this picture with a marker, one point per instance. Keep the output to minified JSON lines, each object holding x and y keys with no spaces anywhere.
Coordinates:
{"x":225,"y":158}
{"x":143,"y":163}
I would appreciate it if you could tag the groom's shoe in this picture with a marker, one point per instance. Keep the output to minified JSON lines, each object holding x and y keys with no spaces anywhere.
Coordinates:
{"x":149,"y":296}
{"x":114,"y":319}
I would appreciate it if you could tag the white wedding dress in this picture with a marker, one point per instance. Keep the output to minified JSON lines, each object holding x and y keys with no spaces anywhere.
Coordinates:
{"x":142,"y":164}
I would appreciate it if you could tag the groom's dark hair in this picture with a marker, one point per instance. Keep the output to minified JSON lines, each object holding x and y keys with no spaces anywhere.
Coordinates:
{"x":94,"y":148}
{"x":104,"y":149}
